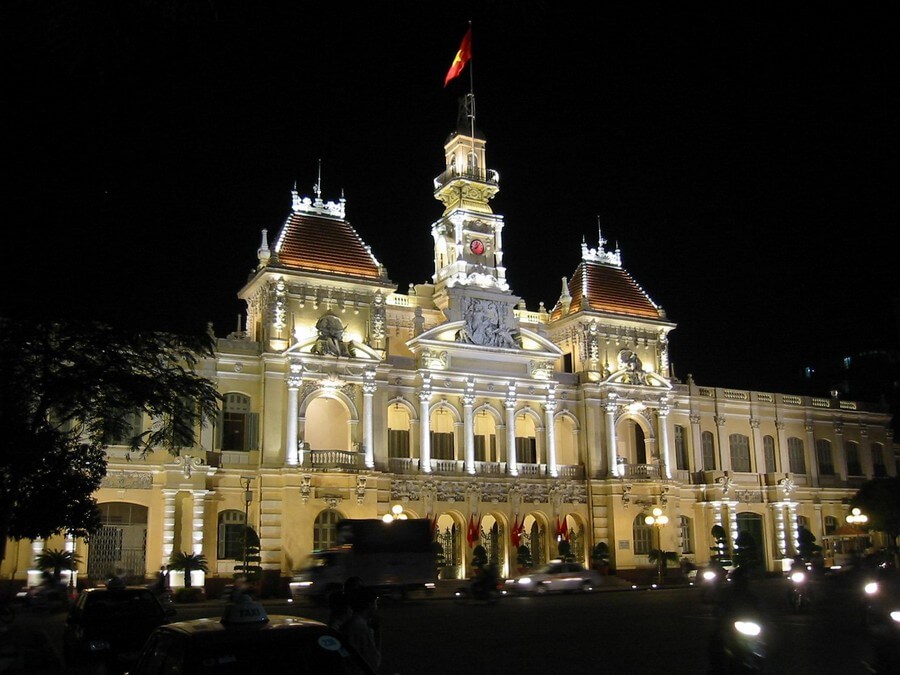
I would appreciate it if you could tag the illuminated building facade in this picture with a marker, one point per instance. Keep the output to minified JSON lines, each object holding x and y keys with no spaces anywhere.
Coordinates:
{"x":344,"y":398}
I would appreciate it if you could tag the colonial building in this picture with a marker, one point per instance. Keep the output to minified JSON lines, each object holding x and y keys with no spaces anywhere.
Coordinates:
{"x":344,"y":398}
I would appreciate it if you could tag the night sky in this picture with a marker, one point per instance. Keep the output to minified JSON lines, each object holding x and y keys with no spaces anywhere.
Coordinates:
{"x":743,"y":158}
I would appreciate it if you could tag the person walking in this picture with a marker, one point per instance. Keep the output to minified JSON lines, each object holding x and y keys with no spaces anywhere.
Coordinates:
{"x":359,"y":631}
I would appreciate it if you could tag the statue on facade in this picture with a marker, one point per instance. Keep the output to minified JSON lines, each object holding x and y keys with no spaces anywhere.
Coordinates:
{"x":634,"y":370}
{"x":330,"y":340}
{"x":486,"y":325}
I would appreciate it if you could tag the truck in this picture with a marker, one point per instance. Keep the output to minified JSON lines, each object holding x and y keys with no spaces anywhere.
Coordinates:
{"x":393,"y":558}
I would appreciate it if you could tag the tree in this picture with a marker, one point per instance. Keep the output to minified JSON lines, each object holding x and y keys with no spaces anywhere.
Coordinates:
{"x":187,"y":563}
{"x":65,"y":391}
{"x":56,"y":561}
{"x":662,"y":560}
{"x":719,"y":549}
{"x":479,"y":557}
{"x":879,"y":499}
{"x":806,"y":544}
{"x":600,"y":556}
{"x":565,"y":551}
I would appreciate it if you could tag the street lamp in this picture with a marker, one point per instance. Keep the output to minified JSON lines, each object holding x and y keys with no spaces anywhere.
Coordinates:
{"x":395,"y":514}
{"x":248,"y":497}
{"x":658,"y":518}
{"x":857,"y":517}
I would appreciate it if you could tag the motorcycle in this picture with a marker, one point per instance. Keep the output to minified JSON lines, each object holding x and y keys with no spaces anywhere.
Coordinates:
{"x":799,"y":596}
{"x":481,"y":590}
{"x":711,"y":579}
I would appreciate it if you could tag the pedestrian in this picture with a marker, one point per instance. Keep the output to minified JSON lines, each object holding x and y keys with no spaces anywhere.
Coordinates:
{"x":360,"y":634}
{"x":339,"y":611}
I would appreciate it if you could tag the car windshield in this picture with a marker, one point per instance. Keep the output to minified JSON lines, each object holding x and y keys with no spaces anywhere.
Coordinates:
{"x":252,"y":651}
{"x":113,"y":606}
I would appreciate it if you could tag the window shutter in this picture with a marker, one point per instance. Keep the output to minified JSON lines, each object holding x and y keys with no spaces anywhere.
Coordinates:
{"x":251,"y":441}
{"x":220,"y":424}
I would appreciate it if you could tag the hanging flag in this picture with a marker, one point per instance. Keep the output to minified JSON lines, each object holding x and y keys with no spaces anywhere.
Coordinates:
{"x":564,"y":531}
{"x":514,"y":533}
{"x":470,"y":531}
{"x":462,"y":57}
{"x":558,"y":528}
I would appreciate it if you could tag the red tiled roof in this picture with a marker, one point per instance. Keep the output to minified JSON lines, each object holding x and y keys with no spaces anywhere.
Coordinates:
{"x":311,"y":242}
{"x":607,"y":288}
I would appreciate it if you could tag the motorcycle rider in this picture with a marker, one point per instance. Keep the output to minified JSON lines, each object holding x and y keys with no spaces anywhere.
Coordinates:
{"x":734,"y":602}
{"x":486,"y":582}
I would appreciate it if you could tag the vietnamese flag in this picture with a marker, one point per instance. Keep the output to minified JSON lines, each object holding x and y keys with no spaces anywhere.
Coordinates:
{"x":564,"y":530}
{"x":462,"y":57}
{"x":514,"y":533}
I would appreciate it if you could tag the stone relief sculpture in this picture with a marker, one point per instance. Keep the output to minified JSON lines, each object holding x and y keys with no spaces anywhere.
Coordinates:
{"x":634,"y":371}
{"x":330,"y":340}
{"x":486,"y":324}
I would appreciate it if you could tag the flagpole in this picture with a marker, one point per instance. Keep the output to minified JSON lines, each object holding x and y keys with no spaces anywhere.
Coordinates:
{"x":472,"y":92}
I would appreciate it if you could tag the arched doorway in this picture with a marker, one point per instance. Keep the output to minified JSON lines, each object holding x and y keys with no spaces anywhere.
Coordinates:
{"x":750,"y":542}
{"x":119,"y":547}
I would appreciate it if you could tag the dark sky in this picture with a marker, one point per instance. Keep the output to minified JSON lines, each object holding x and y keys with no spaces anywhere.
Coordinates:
{"x":744,"y":158}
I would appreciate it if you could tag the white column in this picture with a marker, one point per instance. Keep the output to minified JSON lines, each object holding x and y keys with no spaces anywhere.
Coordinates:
{"x":696,"y":442}
{"x":793,"y":527}
{"x":168,"y":533}
{"x":424,"y":432}
{"x":724,"y":449}
{"x":732,"y":523}
{"x":784,"y":459}
{"x":812,"y":457}
{"x":368,"y":440}
{"x":759,"y":454}
{"x":839,"y":452}
{"x":614,"y":469}
{"x":292,"y":451}
{"x":780,"y":534}
{"x":197,"y":512}
{"x":665,"y":450}
{"x":512,"y":461}
{"x":469,"y":433}
{"x":549,"y":409}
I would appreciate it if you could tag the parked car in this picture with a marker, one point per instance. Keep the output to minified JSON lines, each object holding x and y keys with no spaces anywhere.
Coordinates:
{"x":109,"y":626}
{"x":556,"y":577}
{"x":247,"y":640}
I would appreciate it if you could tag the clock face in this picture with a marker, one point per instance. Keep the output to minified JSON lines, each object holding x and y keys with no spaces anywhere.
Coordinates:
{"x":476,"y":246}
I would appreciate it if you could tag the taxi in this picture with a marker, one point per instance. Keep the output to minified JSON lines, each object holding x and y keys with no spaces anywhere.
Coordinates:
{"x":247,"y":640}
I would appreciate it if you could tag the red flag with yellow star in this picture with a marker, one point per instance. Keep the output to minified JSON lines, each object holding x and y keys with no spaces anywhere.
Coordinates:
{"x":462,"y":57}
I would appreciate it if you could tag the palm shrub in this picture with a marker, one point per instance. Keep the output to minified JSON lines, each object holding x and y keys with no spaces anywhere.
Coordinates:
{"x":600,"y":556}
{"x":187,"y":563}
{"x":662,"y":560}
{"x":55,"y":561}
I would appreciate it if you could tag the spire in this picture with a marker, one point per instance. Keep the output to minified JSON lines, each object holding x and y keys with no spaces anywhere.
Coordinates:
{"x":317,"y":188}
{"x":564,"y":298}
{"x":263,"y":253}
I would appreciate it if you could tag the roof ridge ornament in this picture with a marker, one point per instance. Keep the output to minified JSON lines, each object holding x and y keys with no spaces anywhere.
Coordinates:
{"x":600,"y":254}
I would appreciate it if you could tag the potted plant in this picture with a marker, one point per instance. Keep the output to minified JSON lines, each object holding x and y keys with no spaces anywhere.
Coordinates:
{"x":523,"y":558}
{"x":188,"y":562}
{"x":600,"y":557}
{"x":479,"y":557}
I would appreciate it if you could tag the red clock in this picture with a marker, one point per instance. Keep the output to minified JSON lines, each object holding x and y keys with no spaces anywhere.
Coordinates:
{"x":476,"y":246}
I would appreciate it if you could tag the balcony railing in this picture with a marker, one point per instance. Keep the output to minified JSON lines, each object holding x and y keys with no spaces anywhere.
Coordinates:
{"x":333,"y":460}
{"x":457,"y":467}
{"x":640,"y":471}
{"x":468,"y":173}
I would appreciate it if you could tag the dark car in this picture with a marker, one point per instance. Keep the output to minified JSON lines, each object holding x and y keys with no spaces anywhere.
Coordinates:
{"x":247,"y":640}
{"x":110,"y":625}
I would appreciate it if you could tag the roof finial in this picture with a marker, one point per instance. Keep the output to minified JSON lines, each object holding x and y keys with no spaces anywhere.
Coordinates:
{"x":317,"y":188}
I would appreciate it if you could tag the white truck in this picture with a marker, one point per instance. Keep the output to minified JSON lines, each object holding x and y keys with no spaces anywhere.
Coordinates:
{"x":393,"y":558}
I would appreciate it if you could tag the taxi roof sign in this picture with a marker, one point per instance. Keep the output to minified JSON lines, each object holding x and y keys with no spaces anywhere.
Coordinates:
{"x":245,"y":611}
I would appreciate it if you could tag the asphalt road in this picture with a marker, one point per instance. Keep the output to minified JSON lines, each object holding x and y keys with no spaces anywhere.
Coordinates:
{"x":630,"y":631}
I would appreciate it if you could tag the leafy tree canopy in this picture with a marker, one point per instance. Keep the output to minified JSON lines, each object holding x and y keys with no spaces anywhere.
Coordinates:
{"x":66,"y":388}
{"x":879,"y":499}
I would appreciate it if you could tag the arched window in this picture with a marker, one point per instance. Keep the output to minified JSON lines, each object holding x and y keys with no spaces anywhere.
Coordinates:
{"x":640,"y":445}
{"x":769,"y":452}
{"x":123,"y":429}
{"x":854,"y":467}
{"x":325,"y":529}
{"x":824,"y":458}
{"x":739,"y":444}
{"x":398,"y":431}
{"x":641,"y":535}
{"x":795,"y":455}
{"x":831,"y":525}
{"x":687,"y":535}
{"x":878,"y":465}
{"x":237,"y":425}
{"x":681,"y":450}
{"x":526,"y":441}
{"x":231,"y":535}
{"x":709,"y":451}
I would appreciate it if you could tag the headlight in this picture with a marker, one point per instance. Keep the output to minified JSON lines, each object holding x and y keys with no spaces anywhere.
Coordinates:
{"x":871,"y":588}
{"x":525,"y":581}
{"x":709,"y":575}
{"x":895,"y":615}
{"x":798,"y":577}
{"x":750,"y":628}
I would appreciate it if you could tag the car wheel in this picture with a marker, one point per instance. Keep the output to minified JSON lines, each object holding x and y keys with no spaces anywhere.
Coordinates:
{"x":587,"y":587}
{"x":541,"y":589}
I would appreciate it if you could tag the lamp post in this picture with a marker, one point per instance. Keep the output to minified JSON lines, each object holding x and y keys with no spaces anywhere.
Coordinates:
{"x":658,"y":519}
{"x":395,"y":514}
{"x":248,"y":497}
{"x":857,"y":517}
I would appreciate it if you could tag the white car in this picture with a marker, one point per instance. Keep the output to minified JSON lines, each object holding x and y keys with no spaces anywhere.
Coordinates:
{"x":556,"y":577}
